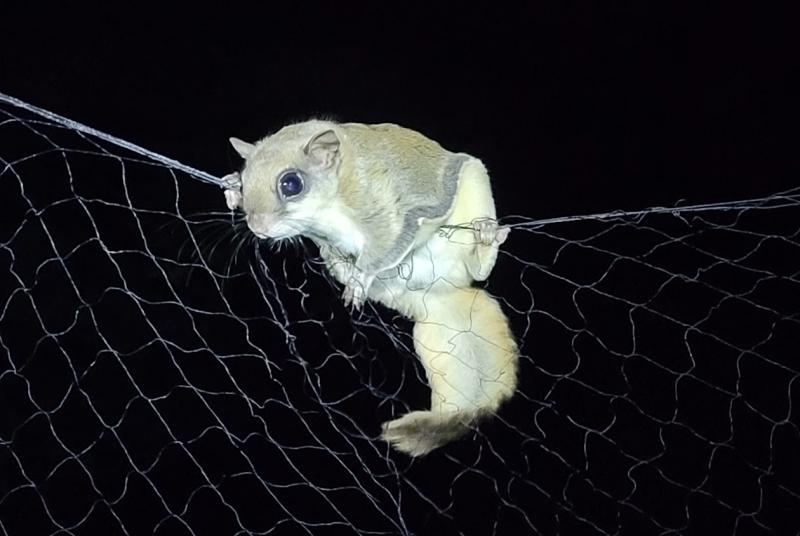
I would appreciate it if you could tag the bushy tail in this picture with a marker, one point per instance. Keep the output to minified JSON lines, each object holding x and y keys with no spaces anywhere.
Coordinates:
{"x":465,"y":344}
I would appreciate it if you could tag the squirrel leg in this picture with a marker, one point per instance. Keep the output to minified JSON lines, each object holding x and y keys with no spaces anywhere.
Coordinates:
{"x":233,"y":190}
{"x":356,"y":287}
{"x":356,"y":281}
{"x":488,"y":238}
{"x":477,"y":245}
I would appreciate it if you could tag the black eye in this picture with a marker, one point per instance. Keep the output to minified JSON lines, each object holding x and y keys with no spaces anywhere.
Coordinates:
{"x":290,"y":184}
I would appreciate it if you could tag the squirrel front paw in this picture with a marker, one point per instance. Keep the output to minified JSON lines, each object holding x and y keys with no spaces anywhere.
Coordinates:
{"x":489,"y":231}
{"x":355,"y":290}
{"x":233,"y":190}
{"x":354,"y":294}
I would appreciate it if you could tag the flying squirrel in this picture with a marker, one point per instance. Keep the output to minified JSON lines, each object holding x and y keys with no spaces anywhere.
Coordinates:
{"x":401,"y":221}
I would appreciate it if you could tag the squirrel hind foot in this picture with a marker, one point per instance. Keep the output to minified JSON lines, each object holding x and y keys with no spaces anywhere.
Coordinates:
{"x":419,"y":432}
{"x":489,"y":232}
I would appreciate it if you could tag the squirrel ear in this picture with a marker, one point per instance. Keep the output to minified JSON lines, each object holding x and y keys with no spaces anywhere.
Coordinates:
{"x":242,"y":147}
{"x":323,"y":149}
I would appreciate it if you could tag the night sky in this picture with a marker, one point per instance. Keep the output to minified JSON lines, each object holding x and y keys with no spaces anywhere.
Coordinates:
{"x":585,"y":107}
{"x":575,"y":108}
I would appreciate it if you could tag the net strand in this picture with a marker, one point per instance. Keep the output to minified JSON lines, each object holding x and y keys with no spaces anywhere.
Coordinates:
{"x":791,"y":197}
{"x":79,"y":127}
{"x":651,"y":341}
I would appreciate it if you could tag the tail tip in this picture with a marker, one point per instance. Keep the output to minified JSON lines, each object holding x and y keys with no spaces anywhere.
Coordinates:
{"x":419,"y":432}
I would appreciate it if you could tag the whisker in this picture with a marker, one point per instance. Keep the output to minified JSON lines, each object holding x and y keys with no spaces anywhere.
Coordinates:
{"x":205,"y":237}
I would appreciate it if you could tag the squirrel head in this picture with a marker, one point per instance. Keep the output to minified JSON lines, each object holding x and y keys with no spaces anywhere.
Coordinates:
{"x":288,"y":178}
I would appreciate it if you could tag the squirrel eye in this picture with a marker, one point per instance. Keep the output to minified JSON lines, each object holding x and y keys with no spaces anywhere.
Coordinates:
{"x":290,"y":184}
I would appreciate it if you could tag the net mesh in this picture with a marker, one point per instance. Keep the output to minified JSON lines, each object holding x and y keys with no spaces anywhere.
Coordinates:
{"x":160,"y":372}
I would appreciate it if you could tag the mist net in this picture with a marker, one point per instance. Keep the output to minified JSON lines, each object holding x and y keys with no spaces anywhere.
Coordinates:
{"x":161,"y":372}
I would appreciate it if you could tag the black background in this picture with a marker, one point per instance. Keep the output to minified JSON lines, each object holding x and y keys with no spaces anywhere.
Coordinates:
{"x":575,"y":108}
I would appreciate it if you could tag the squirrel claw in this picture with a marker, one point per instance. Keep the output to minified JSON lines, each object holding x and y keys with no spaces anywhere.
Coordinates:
{"x":233,"y":190}
{"x":355,"y":290}
{"x":489,"y":232}
{"x":233,"y":199}
{"x":354,"y":295}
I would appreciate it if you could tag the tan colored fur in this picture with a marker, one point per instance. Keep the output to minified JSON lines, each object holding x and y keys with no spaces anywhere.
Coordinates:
{"x":361,"y":189}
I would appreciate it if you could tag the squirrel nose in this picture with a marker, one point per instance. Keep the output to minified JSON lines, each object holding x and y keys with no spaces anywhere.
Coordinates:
{"x":259,"y":223}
